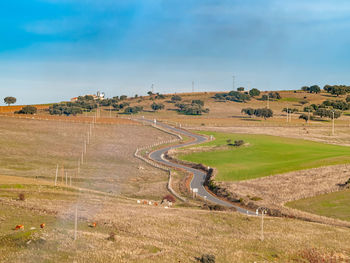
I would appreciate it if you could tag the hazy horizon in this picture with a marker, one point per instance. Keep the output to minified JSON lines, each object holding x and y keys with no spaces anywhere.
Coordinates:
{"x":54,"y":50}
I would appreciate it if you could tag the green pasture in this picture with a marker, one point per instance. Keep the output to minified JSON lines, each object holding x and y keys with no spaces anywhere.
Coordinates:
{"x":335,"y":205}
{"x":264,"y":155}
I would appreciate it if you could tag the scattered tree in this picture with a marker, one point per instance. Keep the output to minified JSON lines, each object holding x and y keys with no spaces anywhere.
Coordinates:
{"x":263,"y":112}
{"x":254,"y":92}
{"x":289,"y":110}
{"x":274,"y":95}
{"x":304,"y":117}
{"x":133,"y":110}
{"x":323,"y":112}
{"x":248,"y":111}
{"x":240,"y":89}
{"x":156,"y":106}
{"x":10,"y":100}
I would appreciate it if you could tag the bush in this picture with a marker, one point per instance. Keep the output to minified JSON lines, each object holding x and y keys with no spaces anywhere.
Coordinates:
{"x":304,"y":117}
{"x":133,"y":110}
{"x":238,"y":143}
{"x":156,"y":106}
{"x":27,"y":110}
{"x":206,"y":258}
{"x":274,"y":95}
{"x":254,"y":92}
{"x":176,"y":98}
{"x":233,"y":96}
{"x":263,"y":112}
{"x":191,"y":109}
{"x":21,"y":197}
{"x":169,"y":198}
{"x":248,"y":111}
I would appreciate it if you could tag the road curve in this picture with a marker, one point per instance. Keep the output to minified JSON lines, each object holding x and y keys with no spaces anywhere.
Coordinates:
{"x":198,"y":175}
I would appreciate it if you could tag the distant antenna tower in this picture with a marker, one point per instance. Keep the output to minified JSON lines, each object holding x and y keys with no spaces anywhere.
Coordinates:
{"x":192,"y":86}
{"x":233,"y":82}
{"x":152,"y":88}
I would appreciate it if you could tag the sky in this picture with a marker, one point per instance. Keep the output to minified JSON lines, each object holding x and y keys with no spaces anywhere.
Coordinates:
{"x":53,"y":50}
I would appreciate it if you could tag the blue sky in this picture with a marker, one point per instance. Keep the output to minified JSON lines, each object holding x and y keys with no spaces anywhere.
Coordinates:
{"x":52,"y":50}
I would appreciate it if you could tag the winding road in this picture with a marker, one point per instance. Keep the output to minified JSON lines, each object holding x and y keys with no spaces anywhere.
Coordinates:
{"x":198,"y":175}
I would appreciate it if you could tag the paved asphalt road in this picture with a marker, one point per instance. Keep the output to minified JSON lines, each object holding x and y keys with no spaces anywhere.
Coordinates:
{"x":199,"y":176}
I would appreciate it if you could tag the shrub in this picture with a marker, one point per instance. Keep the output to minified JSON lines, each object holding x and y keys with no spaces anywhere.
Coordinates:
{"x":248,"y":111}
{"x":238,"y":143}
{"x":304,"y":117}
{"x":274,"y":95}
{"x":263,"y":112}
{"x":240,"y":89}
{"x":169,"y":198}
{"x":176,"y":98}
{"x":254,"y":92}
{"x":21,"y":197}
{"x":156,"y":106}
{"x":206,"y":258}
{"x":133,"y":110}
{"x":27,"y":110}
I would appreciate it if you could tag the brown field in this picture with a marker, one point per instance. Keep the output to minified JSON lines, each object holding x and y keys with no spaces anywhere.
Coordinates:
{"x":12,"y":109}
{"x":81,"y":119}
{"x":33,"y":148}
{"x":229,"y":113}
{"x":146,"y":233}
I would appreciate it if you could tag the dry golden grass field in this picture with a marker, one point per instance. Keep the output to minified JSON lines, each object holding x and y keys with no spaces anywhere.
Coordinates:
{"x":145,"y":233}
{"x":228,"y":113}
{"x":111,"y":180}
{"x":34,"y":148}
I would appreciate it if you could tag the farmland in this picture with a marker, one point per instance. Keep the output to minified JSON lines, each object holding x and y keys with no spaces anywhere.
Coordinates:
{"x":264,"y":155}
{"x":146,"y":233}
{"x":335,"y":205}
{"x":33,"y":148}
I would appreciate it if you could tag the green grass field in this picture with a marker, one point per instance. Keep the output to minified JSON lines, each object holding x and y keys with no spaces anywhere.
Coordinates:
{"x":335,"y":205}
{"x":265,"y":155}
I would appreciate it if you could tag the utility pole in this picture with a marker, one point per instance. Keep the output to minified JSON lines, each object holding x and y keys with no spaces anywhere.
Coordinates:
{"x":287,"y":114}
{"x":152,"y":88}
{"x":76,"y":222}
{"x":263,"y":212}
{"x":268,"y":101}
{"x":233,"y":82}
{"x":56,"y":175}
{"x":333,"y":123}
{"x":192,"y":86}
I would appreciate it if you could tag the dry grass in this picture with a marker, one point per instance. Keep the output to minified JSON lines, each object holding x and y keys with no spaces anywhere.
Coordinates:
{"x":152,"y":234}
{"x":228,"y":113}
{"x":33,"y":148}
{"x":12,"y":109}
